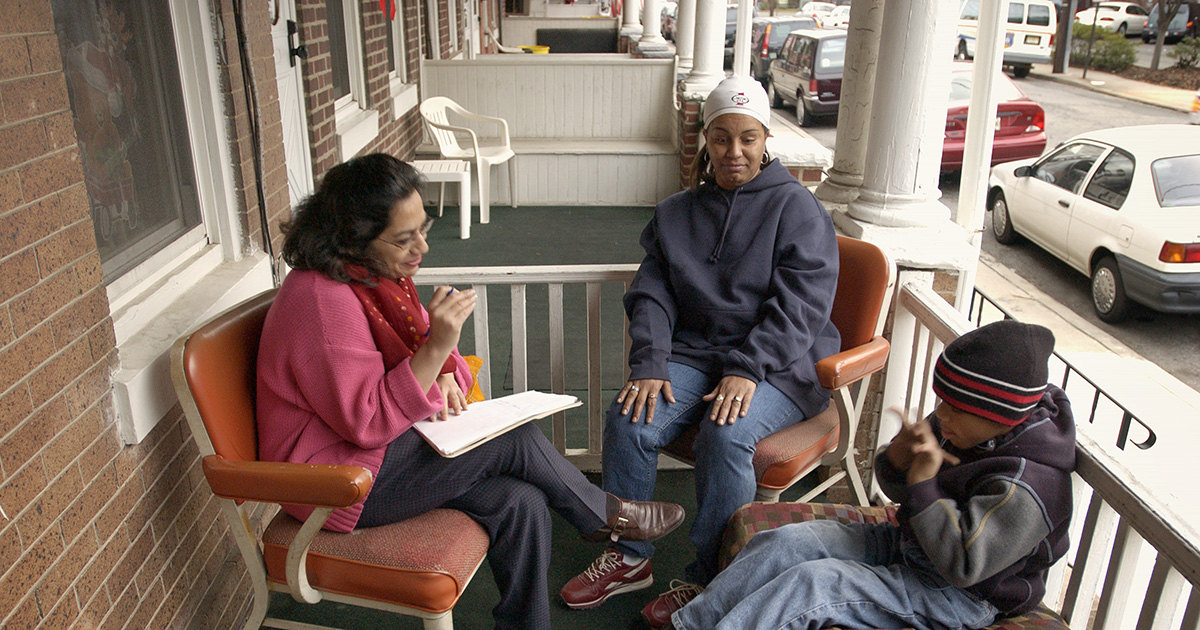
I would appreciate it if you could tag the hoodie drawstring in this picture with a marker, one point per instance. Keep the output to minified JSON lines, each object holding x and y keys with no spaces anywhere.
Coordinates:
{"x":716,"y":253}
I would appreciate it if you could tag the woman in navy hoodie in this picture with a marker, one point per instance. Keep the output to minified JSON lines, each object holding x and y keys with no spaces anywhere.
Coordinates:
{"x":728,"y":313}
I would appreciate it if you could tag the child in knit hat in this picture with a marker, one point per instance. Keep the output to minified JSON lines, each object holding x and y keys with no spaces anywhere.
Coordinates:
{"x":984,"y":485}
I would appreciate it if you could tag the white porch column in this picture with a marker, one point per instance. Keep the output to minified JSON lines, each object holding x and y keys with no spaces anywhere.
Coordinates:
{"x":708,"y":56}
{"x":903,"y":161}
{"x":843,"y":180}
{"x":632,"y":22}
{"x":652,"y":40}
{"x":685,"y":34}
{"x":741,"y":46}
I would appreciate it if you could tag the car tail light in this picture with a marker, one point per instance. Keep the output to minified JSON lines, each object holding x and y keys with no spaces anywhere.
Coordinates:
{"x":812,"y":87}
{"x":1052,"y":40}
{"x":766,"y":40}
{"x":1037,"y":122}
{"x":1179,"y":253}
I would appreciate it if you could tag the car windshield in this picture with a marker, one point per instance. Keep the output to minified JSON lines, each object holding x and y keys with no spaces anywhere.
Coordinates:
{"x":960,"y":88}
{"x":831,"y":55}
{"x":1177,"y":181}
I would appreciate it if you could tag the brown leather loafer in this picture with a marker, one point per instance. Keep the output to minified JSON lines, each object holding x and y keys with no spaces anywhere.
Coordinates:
{"x":640,"y":521}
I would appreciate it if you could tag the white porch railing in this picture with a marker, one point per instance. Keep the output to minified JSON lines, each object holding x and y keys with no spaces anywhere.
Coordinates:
{"x":1133,"y":564}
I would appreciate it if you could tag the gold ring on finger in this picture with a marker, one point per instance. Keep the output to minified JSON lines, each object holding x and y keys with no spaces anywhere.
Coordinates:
{"x":720,"y":397}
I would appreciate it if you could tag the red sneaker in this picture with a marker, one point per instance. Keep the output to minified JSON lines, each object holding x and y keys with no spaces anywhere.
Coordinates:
{"x":607,"y":576}
{"x":658,"y":612}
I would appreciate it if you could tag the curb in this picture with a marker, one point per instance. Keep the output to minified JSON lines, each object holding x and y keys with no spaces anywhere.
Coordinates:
{"x":1065,"y":80}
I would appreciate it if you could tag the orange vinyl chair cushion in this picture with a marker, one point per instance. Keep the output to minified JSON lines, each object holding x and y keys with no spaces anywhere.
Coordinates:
{"x":399,"y":563}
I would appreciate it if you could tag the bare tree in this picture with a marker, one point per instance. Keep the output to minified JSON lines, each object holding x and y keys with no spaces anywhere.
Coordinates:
{"x":1166,"y":10}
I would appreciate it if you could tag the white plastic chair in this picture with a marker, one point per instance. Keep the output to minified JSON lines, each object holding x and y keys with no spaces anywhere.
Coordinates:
{"x":434,"y":111}
{"x":516,"y":50}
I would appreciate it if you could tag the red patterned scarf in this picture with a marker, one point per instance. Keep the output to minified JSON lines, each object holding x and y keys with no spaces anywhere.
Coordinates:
{"x":394,"y":315}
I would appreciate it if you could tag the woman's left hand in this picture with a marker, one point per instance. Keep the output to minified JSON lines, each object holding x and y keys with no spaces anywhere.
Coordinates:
{"x":454,"y":400}
{"x":730,"y":399}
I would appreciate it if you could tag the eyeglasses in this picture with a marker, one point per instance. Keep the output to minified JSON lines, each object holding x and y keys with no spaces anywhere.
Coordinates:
{"x":407,"y":241}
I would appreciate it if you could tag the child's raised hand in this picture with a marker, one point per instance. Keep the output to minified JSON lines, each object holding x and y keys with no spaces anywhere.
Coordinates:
{"x":900,"y":450}
{"x":927,"y":455}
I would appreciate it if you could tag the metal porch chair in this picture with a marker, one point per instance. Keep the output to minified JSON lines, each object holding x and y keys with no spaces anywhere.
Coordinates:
{"x":417,"y":567}
{"x":864,"y":290}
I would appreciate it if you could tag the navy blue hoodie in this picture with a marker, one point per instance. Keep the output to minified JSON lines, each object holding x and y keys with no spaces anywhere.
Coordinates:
{"x":738,"y":283}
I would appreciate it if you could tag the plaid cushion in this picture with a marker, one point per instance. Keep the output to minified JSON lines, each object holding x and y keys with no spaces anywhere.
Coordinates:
{"x":755,"y":517}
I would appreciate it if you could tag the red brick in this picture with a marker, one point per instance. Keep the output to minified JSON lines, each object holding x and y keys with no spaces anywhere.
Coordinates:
{"x":39,"y":303}
{"x":92,"y":388}
{"x":54,"y":377}
{"x":43,"y":53}
{"x":95,"y":610}
{"x":123,"y":572}
{"x":111,"y":518}
{"x":20,"y":273}
{"x":122,"y":610}
{"x":64,"y":449}
{"x":99,"y":457}
{"x":60,"y":130}
{"x":62,"y":616}
{"x":50,"y":505}
{"x":28,"y":571}
{"x":26,"y":226}
{"x":15,"y":406}
{"x":80,"y":316}
{"x":19,"y":358}
{"x":51,"y":174}
{"x":87,"y":505}
{"x":35,"y":96}
{"x":14,"y":58}
{"x":25,"y":16}
{"x":10,"y":191}
{"x":93,"y":578}
{"x":62,"y":576}
{"x":88,"y":271}
{"x":73,"y":204}
{"x":23,"y":444}
{"x":26,"y":614}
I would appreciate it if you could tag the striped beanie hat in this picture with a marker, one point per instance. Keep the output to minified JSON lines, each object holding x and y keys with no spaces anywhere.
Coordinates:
{"x":996,"y":372}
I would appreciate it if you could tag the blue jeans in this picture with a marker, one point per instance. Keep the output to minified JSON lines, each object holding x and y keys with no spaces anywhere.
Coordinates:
{"x":724,"y":468}
{"x":825,"y":573}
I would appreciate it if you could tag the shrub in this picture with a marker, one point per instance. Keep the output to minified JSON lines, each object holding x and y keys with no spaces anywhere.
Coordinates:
{"x":1187,"y":51}
{"x":1110,"y":52}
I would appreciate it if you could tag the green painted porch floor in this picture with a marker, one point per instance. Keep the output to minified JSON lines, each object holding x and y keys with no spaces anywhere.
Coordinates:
{"x":543,"y":236}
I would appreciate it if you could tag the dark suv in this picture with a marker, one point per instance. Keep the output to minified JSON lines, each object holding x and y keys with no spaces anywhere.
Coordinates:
{"x":766,"y":37}
{"x":808,"y":73}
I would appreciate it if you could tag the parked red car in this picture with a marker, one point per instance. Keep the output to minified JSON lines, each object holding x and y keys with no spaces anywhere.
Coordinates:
{"x":1020,"y":122}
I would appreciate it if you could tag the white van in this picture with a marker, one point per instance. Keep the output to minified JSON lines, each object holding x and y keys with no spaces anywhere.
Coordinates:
{"x":1029,"y":39}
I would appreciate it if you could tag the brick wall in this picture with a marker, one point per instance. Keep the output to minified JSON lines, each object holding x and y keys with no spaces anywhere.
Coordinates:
{"x":95,"y":535}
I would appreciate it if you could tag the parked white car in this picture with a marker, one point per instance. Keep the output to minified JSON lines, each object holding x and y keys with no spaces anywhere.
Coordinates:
{"x":839,"y":17}
{"x":1119,"y":205}
{"x":1126,"y":18}
{"x":817,"y":10}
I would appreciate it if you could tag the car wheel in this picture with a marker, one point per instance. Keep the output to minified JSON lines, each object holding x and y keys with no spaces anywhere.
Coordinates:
{"x":961,"y":53}
{"x":1021,"y":71}
{"x":1108,"y":292}
{"x":804,"y":118}
{"x":1122,"y":29}
{"x":772,"y":95}
{"x":1001,"y":222}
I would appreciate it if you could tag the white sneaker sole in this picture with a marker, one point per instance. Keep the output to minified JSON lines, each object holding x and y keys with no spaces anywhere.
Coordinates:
{"x":625,"y":588}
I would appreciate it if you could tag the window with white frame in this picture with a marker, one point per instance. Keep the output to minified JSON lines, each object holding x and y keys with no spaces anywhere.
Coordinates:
{"x":452,"y":16}
{"x":354,"y":124}
{"x":145,"y":96}
{"x":403,"y":92}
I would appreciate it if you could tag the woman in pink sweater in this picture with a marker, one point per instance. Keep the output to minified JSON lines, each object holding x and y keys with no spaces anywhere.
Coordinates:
{"x":350,"y":359}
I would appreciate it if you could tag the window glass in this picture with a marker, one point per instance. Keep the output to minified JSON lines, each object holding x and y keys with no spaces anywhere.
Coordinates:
{"x":338,"y":56}
{"x":970,"y":10}
{"x":832,"y":55}
{"x":960,"y":88}
{"x":1016,"y":12}
{"x":1039,"y":15}
{"x":124,"y":87}
{"x":1110,"y":184}
{"x":1177,"y":181}
{"x":1067,"y":167}
{"x":397,"y":64}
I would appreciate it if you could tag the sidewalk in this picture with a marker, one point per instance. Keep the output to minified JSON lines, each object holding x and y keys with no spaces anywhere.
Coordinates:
{"x":1113,"y":85}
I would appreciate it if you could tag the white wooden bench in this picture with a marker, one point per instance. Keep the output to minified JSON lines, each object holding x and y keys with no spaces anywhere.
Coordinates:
{"x":442,"y":171}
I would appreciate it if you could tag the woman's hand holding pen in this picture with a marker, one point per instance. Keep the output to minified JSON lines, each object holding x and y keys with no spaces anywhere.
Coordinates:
{"x":448,"y":310}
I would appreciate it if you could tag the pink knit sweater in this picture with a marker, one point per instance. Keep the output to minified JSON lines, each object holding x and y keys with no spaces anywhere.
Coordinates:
{"x":323,"y":394}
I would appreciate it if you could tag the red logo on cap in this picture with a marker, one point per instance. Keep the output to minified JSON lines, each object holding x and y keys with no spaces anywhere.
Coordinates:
{"x":740,"y":98}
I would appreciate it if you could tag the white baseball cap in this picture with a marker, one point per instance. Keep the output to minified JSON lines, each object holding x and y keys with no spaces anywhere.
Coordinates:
{"x":738,"y":94}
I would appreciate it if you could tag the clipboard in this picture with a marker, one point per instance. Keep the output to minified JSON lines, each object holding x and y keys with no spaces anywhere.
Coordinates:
{"x":487,"y":419}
